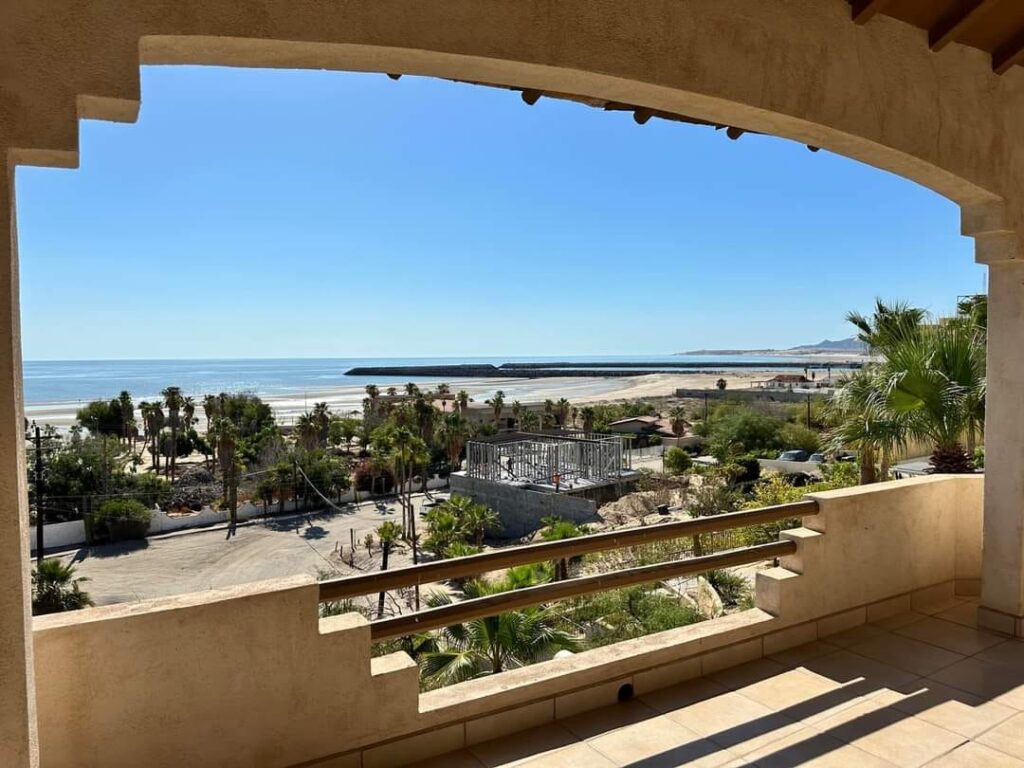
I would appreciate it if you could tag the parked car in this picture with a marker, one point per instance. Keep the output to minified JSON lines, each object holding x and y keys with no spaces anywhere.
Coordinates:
{"x":817,"y":458}
{"x":793,"y":456}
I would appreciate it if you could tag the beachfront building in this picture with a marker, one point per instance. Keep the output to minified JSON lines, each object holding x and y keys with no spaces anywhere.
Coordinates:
{"x":642,"y":428}
{"x":785,"y":381}
{"x":887,"y":624}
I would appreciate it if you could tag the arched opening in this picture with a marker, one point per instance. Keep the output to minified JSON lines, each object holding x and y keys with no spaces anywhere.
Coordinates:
{"x":802,"y":73}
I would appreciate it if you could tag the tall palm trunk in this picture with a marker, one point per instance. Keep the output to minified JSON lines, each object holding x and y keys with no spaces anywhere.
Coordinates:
{"x":951,"y":460}
{"x":867,"y":465}
{"x":385,"y":550}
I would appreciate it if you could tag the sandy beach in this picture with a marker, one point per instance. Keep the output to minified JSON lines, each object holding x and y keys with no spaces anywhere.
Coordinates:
{"x":349,"y":400}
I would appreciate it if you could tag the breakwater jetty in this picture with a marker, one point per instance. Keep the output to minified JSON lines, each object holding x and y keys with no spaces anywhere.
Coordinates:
{"x":594,"y":369}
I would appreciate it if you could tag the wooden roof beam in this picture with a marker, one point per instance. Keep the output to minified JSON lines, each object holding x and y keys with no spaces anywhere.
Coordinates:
{"x":1009,"y":54}
{"x":865,"y":10}
{"x":952,"y":27}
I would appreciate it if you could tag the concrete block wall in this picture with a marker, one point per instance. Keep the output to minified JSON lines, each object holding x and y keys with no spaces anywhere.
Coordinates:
{"x":522,"y":509}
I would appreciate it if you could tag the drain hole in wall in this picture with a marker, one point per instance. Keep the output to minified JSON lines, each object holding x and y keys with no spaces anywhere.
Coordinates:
{"x":625,"y":692}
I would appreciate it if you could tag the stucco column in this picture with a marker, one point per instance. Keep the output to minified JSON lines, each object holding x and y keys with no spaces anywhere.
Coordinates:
{"x":1002,"y":589}
{"x":18,"y":747}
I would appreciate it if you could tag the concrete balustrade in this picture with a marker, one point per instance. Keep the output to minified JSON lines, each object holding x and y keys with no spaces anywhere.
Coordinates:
{"x":250,"y":676}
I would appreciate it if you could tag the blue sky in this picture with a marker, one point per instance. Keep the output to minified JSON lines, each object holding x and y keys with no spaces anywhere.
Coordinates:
{"x":254,"y":213}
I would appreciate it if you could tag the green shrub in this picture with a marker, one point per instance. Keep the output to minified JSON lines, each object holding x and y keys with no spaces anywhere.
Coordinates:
{"x":731,"y":587}
{"x":796,"y":437}
{"x":677,"y":461}
{"x":122,"y":519}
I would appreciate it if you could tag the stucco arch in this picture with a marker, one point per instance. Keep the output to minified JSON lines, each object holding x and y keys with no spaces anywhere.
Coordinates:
{"x":794,"y":68}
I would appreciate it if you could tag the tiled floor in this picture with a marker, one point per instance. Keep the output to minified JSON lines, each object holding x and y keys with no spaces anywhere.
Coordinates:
{"x":912,"y":690}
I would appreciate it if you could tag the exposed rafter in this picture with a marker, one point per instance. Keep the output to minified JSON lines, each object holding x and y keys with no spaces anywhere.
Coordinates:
{"x":865,"y":10}
{"x":1008,"y":54}
{"x":953,"y":26}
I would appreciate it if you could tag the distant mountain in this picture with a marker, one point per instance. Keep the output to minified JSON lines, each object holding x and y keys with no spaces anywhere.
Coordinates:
{"x":850,"y":346}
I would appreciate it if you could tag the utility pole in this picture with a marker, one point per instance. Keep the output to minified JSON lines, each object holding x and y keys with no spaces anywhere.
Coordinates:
{"x":808,"y":411}
{"x":39,"y":496}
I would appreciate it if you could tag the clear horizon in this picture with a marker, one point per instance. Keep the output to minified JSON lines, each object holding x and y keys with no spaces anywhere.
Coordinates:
{"x":260,"y":214}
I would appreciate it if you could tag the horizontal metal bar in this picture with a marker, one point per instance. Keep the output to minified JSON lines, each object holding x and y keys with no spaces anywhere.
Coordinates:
{"x":492,"y":605}
{"x":474,"y":565}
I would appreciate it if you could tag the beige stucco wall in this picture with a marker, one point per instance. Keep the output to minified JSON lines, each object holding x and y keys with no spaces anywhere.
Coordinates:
{"x":795,"y":68}
{"x":249,"y":677}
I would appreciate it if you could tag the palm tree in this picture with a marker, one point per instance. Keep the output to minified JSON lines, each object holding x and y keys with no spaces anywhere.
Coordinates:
{"x":678,"y":420}
{"x":211,"y":409}
{"x":549,"y":413}
{"x":890,"y":324}
{"x":562,"y":408}
{"x":389,"y":534}
{"x":55,"y":588}
{"x":307,"y":431}
{"x":721,"y":384}
{"x":173,"y":400}
{"x":188,"y":410}
{"x":862,"y":421}
{"x":463,"y":400}
{"x":935,"y":383}
{"x":492,"y":644}
{"x":530,"y":421}
{"x":475,"y":520}
{"x":452,"y":433}
{"x":517,"y":412}
{"x":322,"y":422}
{"x":497,"y":403}
{"x":153,"y":415}
{"x":443,"y":390}
{"x":588,"y":414}
{"x":227,"y":440}
{"x":124,"y":400}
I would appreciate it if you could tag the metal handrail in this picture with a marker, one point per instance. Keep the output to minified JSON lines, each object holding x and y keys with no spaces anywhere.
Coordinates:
{"x":474,"y":565}
{"x":501,"y":602}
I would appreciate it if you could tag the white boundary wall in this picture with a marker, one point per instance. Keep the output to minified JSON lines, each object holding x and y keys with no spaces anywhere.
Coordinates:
{"x":72,"y":534}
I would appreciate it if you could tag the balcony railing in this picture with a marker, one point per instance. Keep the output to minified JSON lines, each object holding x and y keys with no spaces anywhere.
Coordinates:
{"x":490,"y":605}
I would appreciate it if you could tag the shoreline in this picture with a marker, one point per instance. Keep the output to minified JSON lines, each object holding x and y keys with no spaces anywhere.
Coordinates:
{"x":343,"y":400}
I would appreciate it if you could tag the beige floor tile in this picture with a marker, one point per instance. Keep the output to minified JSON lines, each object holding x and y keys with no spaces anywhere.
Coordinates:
{"x":952,"y":709}
{"x":1009,"y":653}
{"x":953,"y":637}
{"x":519,"y":747}
{"x":866,"y":676}
{"x":660,"y":742}
{"x":808,"y":747}
{"x":682,"y":695}
{"x":797,"y":694}
{"x":974,"y":755}
{"x":907,"y":654}
{"x":588,"y":724}
{"x":932,"y":607}
{"x":985,"y":679}
{"x":747,"y":674}
{"x":735,"y":722}
{"x":855,"y":635}
{"x":463,"y":759}
{"x":965,"y":613}
{"x":794,"y":657}
{"x":575,"y":756}
{"x":899,"y":620}
{"x":890,"y":734}
{"x":1007,"y":737}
